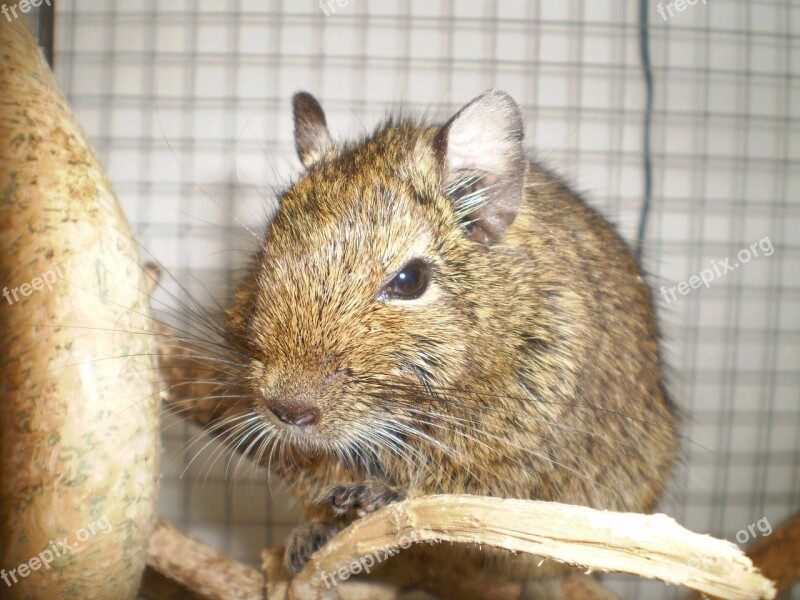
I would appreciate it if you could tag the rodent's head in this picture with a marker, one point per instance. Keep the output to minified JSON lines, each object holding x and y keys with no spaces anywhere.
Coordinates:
{"x":379,"y":273}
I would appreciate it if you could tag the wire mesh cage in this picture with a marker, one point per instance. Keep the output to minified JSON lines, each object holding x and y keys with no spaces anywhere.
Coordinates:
{"x":679,"y":121}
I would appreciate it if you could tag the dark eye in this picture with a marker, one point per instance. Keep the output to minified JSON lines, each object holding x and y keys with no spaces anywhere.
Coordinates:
{"x":409,"y":283}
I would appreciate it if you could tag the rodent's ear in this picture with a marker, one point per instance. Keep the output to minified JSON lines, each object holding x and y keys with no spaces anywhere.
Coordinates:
{"x":483,"y":163}
{"x":311,"y":136}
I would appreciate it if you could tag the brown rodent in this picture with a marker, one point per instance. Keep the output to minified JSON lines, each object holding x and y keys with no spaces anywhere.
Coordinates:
{"x":430,"y":312}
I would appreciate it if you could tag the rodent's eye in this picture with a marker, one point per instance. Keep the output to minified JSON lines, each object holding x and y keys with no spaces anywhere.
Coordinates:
{"x":409,"y":283}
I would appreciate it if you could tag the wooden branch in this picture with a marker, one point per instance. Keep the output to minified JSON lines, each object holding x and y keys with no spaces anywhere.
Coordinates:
{"x":155,"y":586}
{"x":613,"y":540}
{"x":201,"y":569}
{"x":575,"y":587}
{"x":181,"y":567}
{"x":777,"y":556}
{"x":652,"y":546}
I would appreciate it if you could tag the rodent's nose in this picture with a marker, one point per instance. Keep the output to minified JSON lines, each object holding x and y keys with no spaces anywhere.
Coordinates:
{"x":301,"y":416}
{"x":295,"y":400}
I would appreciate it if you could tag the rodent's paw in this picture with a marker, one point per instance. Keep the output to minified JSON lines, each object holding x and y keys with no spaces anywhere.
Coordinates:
{"x":364,"y":498}
{"x":303,"y":542}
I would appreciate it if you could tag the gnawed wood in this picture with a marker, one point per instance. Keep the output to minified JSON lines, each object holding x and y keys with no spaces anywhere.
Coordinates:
{"x":652,"y":546}
{"x":777,"y":556}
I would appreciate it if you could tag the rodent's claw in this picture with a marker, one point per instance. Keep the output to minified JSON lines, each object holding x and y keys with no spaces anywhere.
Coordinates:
{"x":304,"y":541}
{"x":364,"y":498}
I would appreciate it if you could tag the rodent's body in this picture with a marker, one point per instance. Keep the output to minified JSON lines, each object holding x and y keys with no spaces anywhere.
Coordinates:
{"x":530,"y":365}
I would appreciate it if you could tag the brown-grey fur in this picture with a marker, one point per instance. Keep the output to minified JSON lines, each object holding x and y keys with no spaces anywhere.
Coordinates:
{"x":530,"y":368}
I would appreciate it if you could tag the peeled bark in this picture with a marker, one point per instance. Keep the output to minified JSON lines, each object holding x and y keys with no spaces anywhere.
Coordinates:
{"x":78,"y":413}
{"x":652,"y":546}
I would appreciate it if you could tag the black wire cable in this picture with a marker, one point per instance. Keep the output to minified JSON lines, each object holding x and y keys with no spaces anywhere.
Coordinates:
{"x":647,"y":72}
{"x":45,"y":29}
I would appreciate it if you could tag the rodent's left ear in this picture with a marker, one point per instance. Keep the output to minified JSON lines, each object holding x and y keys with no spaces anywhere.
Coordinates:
{"x":483,"y":163}
{"x":311,"y":136}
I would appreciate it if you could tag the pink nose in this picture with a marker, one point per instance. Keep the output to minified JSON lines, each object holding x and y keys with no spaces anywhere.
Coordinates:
{"x":296,"y":415}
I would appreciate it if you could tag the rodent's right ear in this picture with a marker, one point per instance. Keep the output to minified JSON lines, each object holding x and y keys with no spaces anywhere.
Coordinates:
{"x":311,"y":136}
{"x":483,"y":163}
